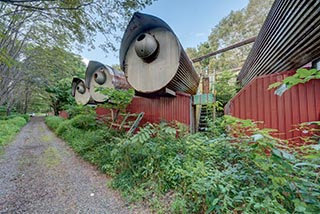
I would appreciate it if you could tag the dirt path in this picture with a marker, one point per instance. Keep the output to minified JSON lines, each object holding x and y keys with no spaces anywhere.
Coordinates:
{"x":40,"y":174}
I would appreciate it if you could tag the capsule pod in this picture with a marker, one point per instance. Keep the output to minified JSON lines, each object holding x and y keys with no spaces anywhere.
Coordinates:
{"x":153,"y":59}
{"x":80,"y":92}
{"x":101,"y":76}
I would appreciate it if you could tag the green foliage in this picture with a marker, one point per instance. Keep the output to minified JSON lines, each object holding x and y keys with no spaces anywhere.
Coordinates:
{"x":53,"y":121}
{"x":36,"y":38}
{"x":69,"y":23}
{"x":302,"y":75}
{"x":247,"y":171}
{"x":74,"y":110}
{"x":216,"y":127}
{"x":25,"y":116}
{"x":60,"y":95}
{"x":225,"y":86}
{"x":117,"y":99}
{"x":86,"y":122}
{"x":3,"y":111}
{"x":95,"y":145}
{"x":9,"y":127}
{"x":237,"y":26}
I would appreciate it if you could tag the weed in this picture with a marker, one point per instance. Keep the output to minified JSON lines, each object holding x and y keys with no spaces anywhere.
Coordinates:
{"x":247,"y":171}
{"x":50,"y":157}
{"x":46,"y":138}
{"x":9,"y":127}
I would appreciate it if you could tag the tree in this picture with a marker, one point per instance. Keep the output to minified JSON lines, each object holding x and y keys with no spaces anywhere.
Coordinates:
{"x":225,"y":86}
{"x":65,"y":22}
{"x":47,"y":68}
{"x":41,"y":68}
{"x":237,"y":26}
{"x":42,"y":25}
{"x":60,"y":95}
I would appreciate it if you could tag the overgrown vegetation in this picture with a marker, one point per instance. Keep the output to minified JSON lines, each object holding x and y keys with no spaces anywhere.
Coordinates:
{"x":247,"y":171}
{"x":302,"y":75}
{"x":117,"y":99}
{"x":9,"y":126}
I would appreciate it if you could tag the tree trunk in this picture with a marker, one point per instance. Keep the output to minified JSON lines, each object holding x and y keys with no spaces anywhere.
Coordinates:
{"x":26,"y":100}
{"x":8,"y":110}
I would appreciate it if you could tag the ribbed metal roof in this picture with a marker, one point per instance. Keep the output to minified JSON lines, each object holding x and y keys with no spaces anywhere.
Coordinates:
{"x":289,"y":39}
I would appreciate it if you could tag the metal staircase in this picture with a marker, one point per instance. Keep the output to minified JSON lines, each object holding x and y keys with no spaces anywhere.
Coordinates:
{"x":205,"y":113}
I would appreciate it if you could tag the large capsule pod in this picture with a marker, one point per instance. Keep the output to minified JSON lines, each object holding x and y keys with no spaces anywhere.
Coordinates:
{"x":101,"y":76}
{"x":153,"y":59}
{"x":79,"y":91}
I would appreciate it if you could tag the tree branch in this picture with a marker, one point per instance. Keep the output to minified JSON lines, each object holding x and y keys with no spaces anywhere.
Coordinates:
{"x":28,"y":6}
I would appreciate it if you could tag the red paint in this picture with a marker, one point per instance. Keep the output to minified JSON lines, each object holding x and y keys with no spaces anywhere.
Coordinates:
{"x":160,"y":109}
{"x":64,"y":114}
{"x":299,"y":104}
{"x":163,"y":108}
{"x":102,"y":111}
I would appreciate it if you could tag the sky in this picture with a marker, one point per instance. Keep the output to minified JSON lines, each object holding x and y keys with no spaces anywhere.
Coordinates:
{"x":191,"y":20}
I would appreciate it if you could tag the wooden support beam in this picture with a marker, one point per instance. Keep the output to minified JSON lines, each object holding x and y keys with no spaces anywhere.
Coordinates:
{"x":230,"y":47}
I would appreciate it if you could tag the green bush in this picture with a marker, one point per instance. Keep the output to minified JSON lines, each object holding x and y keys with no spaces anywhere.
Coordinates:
{"x":75,"y":110}
{"x":85,"y":122}
{"x":3,"y":111}
{"x":25,"y":116}
{"x":9,"y":127}
{"x":94,"y":145}
{"x":53,"y":121}
{"x":215,"y":173}
{"x":218,"y":175}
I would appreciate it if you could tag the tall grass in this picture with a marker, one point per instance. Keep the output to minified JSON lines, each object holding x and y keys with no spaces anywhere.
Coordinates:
{"x":9,"y":127}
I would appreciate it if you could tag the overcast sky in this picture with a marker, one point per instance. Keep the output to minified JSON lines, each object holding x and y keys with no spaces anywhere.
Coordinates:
{"x":191,"y":20}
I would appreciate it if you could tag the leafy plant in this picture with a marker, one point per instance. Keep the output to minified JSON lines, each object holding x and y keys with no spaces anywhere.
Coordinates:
{"x":86,"y":122}
{"x":53,"y":121}
{"x":117,"y":99}
{"x":74,"y":110}
{"x":60,"y":95}
{"x":247,"y":171}
{"x":302,"y":75}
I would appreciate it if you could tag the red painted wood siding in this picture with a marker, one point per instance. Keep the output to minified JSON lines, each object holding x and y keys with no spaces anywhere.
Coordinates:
{"x":163,"y":108}
{"x":159,"y":109}
{"x":64,"y":114}
{"x":299,"y":104}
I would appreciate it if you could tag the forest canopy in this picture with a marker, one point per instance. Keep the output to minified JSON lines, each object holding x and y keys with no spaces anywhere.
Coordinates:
{"x":37,"y":38}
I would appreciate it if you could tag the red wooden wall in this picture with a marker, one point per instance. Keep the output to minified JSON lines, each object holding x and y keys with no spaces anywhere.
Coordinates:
{"x":63,"y":114}
{"x":159,"y":109}
{"x":299,"y":104}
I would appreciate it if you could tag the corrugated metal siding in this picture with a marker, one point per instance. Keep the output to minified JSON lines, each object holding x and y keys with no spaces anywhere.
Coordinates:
{"x":288,"y":39}
{"x":163,"y":108}
{"x":299,"y":104}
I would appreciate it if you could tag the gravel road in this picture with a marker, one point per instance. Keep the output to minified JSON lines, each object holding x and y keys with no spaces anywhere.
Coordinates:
{"x":39,"y":173}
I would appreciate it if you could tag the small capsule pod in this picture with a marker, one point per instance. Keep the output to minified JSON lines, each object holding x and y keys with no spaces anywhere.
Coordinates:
{"x":79,"y":91}
{"x":101,"y":76}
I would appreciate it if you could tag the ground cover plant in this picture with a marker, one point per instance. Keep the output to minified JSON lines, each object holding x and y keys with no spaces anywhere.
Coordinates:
{"x":10,"y":126}
{"x":176,"y":172}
